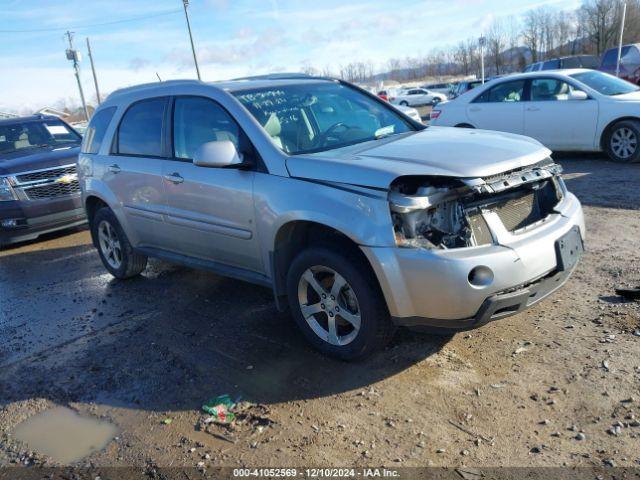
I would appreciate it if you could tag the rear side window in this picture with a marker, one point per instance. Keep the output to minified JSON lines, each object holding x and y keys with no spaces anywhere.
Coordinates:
{"x":198,"y":120}
{"x":141,"y":129}
{"x":631,"y":56}
{"x":96,"y":130}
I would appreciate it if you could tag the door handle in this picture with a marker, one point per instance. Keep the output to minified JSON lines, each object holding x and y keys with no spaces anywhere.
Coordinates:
{"x":475,"y":109}
{"x":174,"y":177}
{"x":533,"y":109}
{"x":114,"y":168}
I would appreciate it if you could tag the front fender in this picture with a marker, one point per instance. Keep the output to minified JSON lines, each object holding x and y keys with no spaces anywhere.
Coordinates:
{"x":361,"y":214}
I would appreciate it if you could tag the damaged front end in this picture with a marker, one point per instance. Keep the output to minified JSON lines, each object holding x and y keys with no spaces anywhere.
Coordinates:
{"x":445,"y":212}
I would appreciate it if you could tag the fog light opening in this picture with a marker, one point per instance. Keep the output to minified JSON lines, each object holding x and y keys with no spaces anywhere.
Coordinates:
{"x":481,"y":276}
{"x":9,"y":223}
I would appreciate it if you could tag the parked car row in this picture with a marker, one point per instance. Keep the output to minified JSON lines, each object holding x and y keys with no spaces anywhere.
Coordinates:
{"x":572,"y":110}
{"x":414,"y":97}
{"x":629,"y":63}
{"x":576,"y":61}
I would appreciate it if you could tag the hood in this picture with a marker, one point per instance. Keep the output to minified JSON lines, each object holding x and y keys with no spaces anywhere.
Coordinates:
{"x":628,"y":97}
{"x":441,"y":151}
{"x":36,"y":159}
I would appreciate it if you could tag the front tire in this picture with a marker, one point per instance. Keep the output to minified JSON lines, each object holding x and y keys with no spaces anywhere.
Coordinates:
{"x":337,"y":303}
{"x":115,"y":250}
{"x":435,"y":101}
{"x":404,"y":103}
{"x":622,"y":143}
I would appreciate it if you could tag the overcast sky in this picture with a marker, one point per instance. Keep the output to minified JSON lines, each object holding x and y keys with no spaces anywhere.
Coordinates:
{"x":233,"y":38}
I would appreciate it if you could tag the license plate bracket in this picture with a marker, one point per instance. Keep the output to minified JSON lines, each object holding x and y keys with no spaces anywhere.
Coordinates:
{"x":569,"y":249}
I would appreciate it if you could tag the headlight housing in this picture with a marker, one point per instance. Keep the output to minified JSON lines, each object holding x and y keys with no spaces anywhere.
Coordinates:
{"x":427,"y":213}
{"x":6,"y":191}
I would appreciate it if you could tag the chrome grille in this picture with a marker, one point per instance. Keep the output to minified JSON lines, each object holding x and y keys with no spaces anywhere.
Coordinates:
{"x":47,"y":183}
{"x":53,"y":190}
{"x":45,"y":175}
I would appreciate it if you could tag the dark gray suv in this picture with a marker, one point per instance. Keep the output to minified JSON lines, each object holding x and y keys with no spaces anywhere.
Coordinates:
{"x":39,"y":190}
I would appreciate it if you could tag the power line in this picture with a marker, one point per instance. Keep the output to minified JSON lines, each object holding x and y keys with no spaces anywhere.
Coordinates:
{"x":80,"y":27}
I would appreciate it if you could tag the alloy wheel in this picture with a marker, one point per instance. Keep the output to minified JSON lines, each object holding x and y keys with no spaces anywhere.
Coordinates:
{"x":624,"y":142}
{"x":329,"y":305}
{"x":110,"y":244}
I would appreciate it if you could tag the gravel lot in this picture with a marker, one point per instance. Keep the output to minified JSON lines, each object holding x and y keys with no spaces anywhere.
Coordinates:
{"x":546,"y":387}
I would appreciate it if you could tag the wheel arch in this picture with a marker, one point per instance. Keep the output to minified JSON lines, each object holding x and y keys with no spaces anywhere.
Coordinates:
{"x":296,"y":235}
{"x":607,"y":129}
{"x":92,"y":204}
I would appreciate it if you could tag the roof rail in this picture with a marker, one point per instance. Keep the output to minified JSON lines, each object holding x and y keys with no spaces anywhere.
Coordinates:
{"x":281,"y":76}
{"x":146,"y":86}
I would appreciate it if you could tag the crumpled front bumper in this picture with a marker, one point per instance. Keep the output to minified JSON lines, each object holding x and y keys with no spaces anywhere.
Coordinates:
{"x":432,"y":287}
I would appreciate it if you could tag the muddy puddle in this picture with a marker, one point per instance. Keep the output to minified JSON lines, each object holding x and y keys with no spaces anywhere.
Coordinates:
{"x":64,"y":435}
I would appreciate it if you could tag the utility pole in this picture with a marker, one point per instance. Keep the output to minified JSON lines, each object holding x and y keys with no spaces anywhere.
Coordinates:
{"x":75,"y":56}
{"x":93,"y":70}
{"x":482,"y":41}
{"x":624,"y":14}
{"x":185,"y":4}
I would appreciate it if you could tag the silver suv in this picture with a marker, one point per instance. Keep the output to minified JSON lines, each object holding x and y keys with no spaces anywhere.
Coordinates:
{"x":359,"y":218}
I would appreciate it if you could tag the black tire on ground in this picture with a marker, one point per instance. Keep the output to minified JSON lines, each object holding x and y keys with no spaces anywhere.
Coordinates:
{"x":132,"y":263}
{"x":435,"y":101}
{"x":376,"y":327}
{"x":464,"y":125}
{"x":614,"y":142}
{"x":404,"y":103}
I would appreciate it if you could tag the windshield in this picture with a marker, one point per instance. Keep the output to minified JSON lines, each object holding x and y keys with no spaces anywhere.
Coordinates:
{"x":604,"y":83}
{"x":35,"y":134}
{"x":314,"y":117}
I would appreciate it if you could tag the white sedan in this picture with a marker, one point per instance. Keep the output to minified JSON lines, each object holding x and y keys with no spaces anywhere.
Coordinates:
{"x":570,"y":110}
{"x":410,"y":112}
{"x":417,"y":96}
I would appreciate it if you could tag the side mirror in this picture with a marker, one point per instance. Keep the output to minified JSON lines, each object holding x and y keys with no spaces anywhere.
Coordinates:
{"x":578,"y":95}
{"x":219,"y":154}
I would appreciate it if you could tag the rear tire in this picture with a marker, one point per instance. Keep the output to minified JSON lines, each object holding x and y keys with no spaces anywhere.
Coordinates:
{"x":331,"y":284}
{"x":116,"y":252}
{"x":404,"y":103}
{"x":464,"y":125}
{"x":622,"y":141}
{"x":435,"y":101}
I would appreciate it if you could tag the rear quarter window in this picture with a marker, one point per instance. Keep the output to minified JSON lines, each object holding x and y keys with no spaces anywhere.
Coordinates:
{"x":96,"y":130}
{"x":571,"y":62}
{"x":551,"y":65}
{"x":610,"y":57}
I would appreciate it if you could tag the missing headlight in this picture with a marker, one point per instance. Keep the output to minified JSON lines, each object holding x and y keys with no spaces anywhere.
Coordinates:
{"x":427,"y":212}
